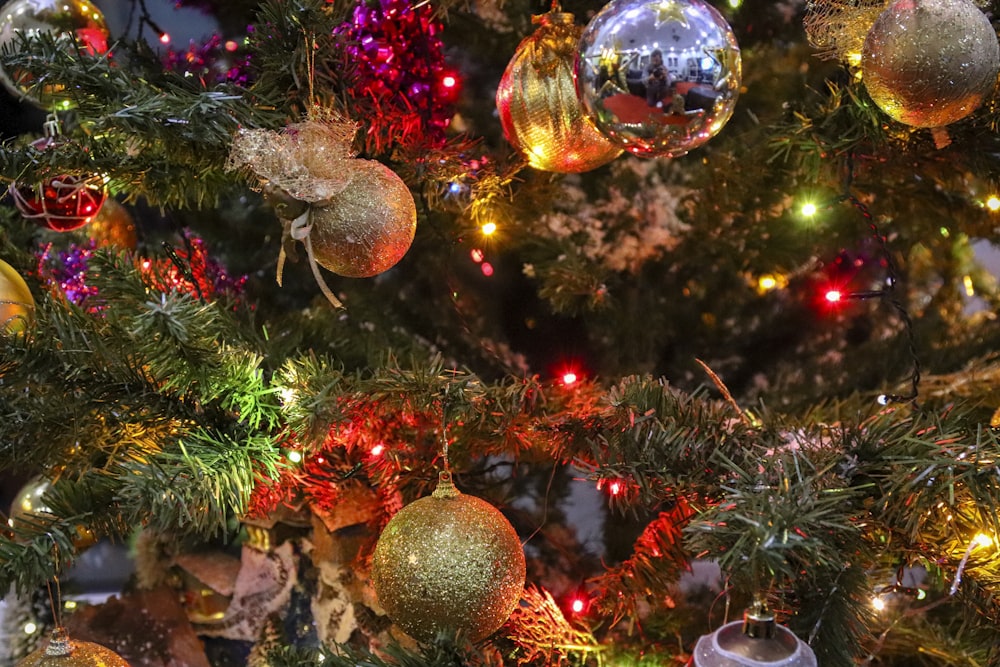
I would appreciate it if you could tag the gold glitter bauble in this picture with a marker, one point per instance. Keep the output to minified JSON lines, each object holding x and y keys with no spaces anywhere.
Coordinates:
{"x":448,"y":562}
{"x":929,"y":63}
{"x":113,"y":226}
{"x":79,"y":20}
{"x":368,"y":227}
{"x":539,"y":110}
{"x":61,"y":651}
{"x":17,"y":306}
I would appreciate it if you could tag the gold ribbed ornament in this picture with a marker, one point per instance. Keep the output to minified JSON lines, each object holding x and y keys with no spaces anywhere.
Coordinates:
{"x":61,"y":651}
{"x":449,"y":562}
{"x":539,"y":109}
{"x":929,"y":63}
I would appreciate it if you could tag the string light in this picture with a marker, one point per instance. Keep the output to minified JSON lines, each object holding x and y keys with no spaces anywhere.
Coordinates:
{"x":577,"y":605}
{"x":489,"y":228}
{"x":30,"y":628}
{"x":295,"y":456}
{"x":615,"y":488}
{"x":569,"y":378}
{"x":477,"y":255}
{"x":982,"y":540}
{"x":377,"y":450}
{"x":878,"y":603}
{"x":833,"y":296}
{"x":993,"y":203}
{"x":970,"y":290}
{"x":487,"y":269}
{"x":808,"y":209}
{"x":164,"y":38}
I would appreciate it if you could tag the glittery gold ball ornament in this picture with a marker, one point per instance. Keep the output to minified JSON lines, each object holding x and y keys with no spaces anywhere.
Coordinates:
{"x":17,"y":306}
{"x":79,"y":21}
{"x":368,"y":227}
{"x":658,"y":77}
{"x":61,"y":651}
{"x":448,"y":562}
{"x":539,"y":111}
{"x":929,"y":63}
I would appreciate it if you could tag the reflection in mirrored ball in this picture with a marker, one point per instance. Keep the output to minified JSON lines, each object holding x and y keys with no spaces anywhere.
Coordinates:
{"x":658,"y":77}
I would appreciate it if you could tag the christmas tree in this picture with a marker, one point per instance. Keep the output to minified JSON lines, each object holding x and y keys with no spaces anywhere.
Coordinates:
{"x":443,"y":333}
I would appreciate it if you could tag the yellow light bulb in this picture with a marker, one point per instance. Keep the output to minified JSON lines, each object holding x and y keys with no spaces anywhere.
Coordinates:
{"x":295,"y":457}
{"x":993,"y":203}
{"x":489,"y":228}
{"x":983,"y":540}
{"x":809,"y":209}
{"x":878,"y":603}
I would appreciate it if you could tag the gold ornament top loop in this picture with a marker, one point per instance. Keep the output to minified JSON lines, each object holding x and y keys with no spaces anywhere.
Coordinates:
{"x":445,"y":487}
{"x":60,"y":644}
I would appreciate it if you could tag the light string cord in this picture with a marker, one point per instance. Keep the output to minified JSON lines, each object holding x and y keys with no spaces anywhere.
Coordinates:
{"x":886,"y":293}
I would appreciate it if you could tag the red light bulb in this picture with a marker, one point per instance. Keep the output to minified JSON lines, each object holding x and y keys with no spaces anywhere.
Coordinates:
{"x":833,"y":296}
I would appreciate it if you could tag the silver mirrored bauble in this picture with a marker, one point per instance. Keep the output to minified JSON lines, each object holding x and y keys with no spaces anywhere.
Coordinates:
{"x":732,"y":646}
{"x":658,"y":77}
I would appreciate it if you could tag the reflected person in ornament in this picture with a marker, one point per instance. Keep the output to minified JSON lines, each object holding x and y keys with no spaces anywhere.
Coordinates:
{"x":657,"y":80}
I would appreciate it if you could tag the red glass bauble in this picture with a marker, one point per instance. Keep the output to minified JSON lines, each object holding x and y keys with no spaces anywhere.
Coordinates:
{"x":62,"y":203}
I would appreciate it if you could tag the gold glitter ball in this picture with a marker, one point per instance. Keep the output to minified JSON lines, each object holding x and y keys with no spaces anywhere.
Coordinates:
{"x":448,"y":562}
{"x":539,"y":110}
{"x":61,"y":651}
{"x":366,"y":228}
{"x":929,"y":63}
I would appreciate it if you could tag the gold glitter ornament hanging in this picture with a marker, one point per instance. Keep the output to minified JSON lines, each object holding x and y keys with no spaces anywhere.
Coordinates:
{"x":929,"y":63}
{"x":448,"y":562}
{"x":539,"y":110}
{"x":61,"y":651}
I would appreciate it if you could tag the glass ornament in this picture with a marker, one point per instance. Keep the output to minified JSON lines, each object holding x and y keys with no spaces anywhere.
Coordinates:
{"x":78,"y":20}
{"x":61,"y":651}
{"x":539,"y":111}
{"x":929,"y":63}
{"x":658,"y":77}
{"x":62,"y":203}
{"x":17,"y":305}
{"x":756,"y":641}
{"x":28,"y":507}
{"x":448,"y":562}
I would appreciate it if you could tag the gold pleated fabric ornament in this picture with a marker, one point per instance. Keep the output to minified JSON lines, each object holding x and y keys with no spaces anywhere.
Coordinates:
{"x":61,"y":651}
{"x":539,"y":109}
{"x":355,"y":217}
{"x":449,"y":562}
{"x":929,"y":63}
